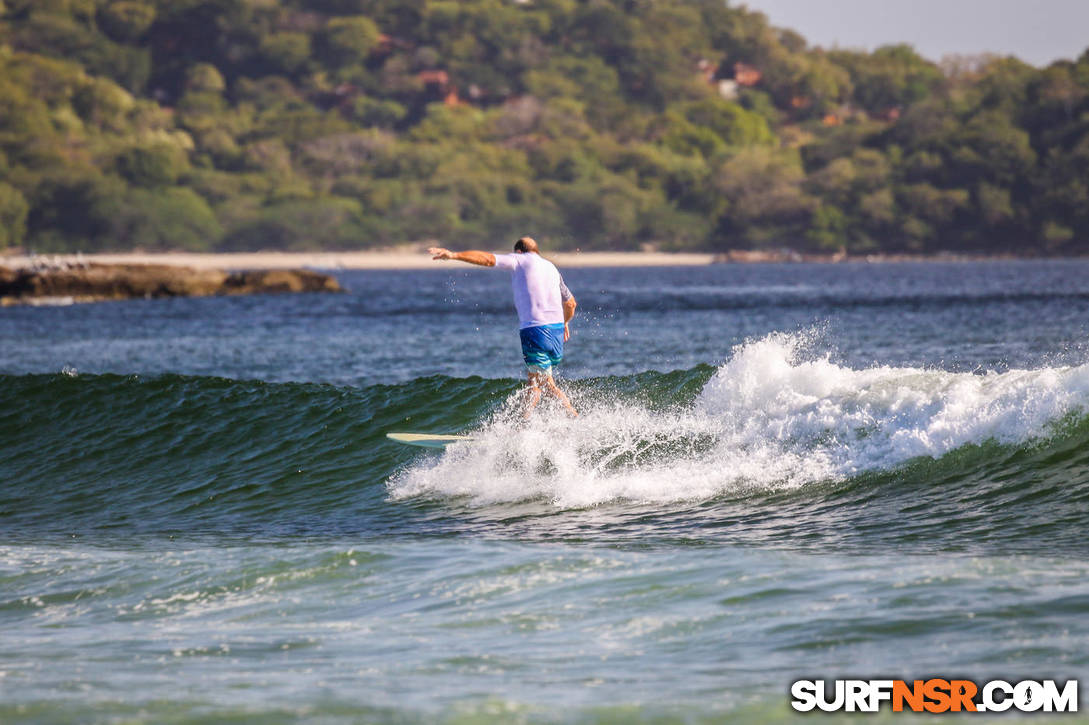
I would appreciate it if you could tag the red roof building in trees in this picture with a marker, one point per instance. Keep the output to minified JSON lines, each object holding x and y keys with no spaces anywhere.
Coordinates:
{"x":746,"y":75}
{"x":437,"y":83}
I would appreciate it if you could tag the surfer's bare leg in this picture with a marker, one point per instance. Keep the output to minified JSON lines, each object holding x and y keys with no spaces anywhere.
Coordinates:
{"x":537,"y":381}
{"x":533,"y":394}
{"x":562,"y":397}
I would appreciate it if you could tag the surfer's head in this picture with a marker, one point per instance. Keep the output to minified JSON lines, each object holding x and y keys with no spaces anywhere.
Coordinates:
{"x":526,"y":244}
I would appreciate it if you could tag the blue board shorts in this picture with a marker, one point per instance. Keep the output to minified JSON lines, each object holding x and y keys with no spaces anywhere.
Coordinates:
{"x":542,"y":346}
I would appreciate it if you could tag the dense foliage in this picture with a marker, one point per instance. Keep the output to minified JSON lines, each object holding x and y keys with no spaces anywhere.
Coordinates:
{"x":247,"y":124}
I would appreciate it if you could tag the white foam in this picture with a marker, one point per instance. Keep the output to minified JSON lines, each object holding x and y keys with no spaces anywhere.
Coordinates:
{"x":773,"y":416}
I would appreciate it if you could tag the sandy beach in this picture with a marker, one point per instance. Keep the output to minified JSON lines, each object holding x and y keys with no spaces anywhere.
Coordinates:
{"x":396,"y":259}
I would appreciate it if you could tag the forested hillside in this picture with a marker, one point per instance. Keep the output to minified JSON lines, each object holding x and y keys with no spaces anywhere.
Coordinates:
{"x":598,"y":124}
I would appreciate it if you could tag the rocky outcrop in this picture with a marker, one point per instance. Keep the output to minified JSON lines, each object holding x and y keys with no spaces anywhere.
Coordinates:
{"x":94,"y":282}
{"x":278,"y":280}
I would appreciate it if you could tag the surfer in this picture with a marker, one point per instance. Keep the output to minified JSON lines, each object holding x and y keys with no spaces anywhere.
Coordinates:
{"x":545,"y":308}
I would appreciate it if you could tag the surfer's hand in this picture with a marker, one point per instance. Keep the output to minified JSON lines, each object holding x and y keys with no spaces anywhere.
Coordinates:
{"x":566,"y":332}
{"x":440,"y":253}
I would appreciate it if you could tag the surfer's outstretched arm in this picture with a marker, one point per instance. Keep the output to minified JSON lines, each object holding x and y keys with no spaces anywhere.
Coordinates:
{"x":472,"y":256}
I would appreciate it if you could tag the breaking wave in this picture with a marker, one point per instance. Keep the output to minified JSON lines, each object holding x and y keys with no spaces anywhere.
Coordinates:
{"x":774,"y":416}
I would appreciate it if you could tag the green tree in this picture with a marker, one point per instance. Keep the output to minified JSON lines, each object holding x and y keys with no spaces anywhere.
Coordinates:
{"x":372,"y":112}
{"x":204,"y":78}
{"x":157,"y":164}
{"x":893,"y":76}
{"x":765,"y":201}
{"x":13,"y":213}
{"x":589,"y":80}
{"x":301,"y":225}
{"x":347,"y":41}
{"x":989,"y":147}
{"x":103,"y":103}
{"x":126,"y":20}
{"x":829,"y":228}
{"x":162,"y":219}
{"x":729,"y":121}
{"x":287,"y":52}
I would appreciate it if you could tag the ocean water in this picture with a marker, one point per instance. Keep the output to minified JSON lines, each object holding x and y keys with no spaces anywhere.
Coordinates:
{"x":780,"y":472}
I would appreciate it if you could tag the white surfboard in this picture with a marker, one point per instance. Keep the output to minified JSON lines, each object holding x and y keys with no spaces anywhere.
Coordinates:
{"x":427,"y":440}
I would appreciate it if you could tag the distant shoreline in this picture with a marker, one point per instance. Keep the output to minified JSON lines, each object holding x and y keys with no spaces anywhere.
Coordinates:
{"x":408,"y":260}
{"x":389,"y":259}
